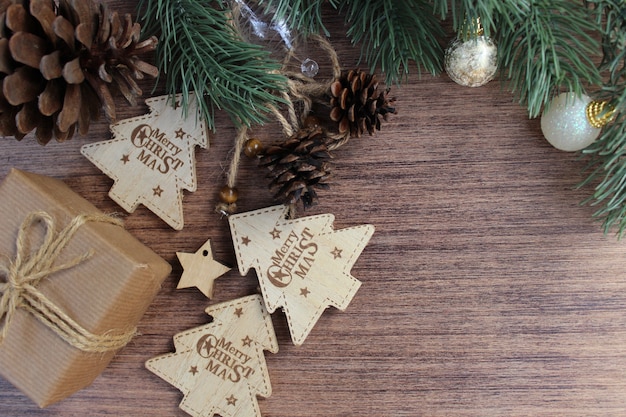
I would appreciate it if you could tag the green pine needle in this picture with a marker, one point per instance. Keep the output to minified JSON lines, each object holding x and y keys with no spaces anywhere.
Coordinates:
{"x":607,"y":167}
{"x":305,"y":16}
{"x":200,"y":51}
{"x":545,"y":47}
{"x":612,"y":15}
{"x":394,"y":33}
{"x":463,"y":11}
{"x":391,"y":33}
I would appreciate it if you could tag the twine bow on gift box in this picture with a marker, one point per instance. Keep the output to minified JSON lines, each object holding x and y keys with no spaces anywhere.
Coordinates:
{"x":20,"y":278}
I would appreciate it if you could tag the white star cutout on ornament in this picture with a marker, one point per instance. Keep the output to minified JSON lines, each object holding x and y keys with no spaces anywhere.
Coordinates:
{"x":200,"y":269}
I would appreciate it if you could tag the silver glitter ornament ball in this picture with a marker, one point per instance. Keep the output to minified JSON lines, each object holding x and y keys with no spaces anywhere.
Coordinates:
{"x":471,"y":62}
{"x":565,"y":125}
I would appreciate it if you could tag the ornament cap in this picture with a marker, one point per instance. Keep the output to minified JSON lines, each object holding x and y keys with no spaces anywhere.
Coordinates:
{"x":471,"y":28}
{"x":599,"y":113}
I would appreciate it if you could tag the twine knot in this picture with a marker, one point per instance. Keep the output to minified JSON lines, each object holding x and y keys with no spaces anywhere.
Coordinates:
{"x":20,"y":278}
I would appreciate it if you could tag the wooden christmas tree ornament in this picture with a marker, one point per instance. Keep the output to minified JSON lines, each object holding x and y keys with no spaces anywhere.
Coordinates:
{"x":303,"y":265}
{"x":151,"y":158}
{"x":200,"y":270}
{"x":220,"y":367}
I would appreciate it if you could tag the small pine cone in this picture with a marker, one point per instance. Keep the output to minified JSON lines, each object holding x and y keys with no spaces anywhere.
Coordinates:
{"x":298,"y":166}
{"x":58,"y":59}
{"x":357,"y":105}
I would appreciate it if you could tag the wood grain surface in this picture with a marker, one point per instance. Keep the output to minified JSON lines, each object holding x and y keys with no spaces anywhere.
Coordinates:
{"x":487,"y":289}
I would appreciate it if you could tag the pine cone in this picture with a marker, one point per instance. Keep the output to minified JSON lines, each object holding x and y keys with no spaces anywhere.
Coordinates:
{"x":357,"y":105}
{"x":298,"y":166}
{"x":57,"y":62}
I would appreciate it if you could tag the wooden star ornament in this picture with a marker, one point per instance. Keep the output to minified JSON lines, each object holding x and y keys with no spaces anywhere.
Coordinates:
{"x":220,"y":367}
{"x":151,"y":158}
{"x":200,"y":270}
{"x":303,"y":265}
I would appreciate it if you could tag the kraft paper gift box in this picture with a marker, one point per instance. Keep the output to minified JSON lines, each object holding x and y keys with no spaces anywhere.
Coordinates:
{"x":106,"y":294}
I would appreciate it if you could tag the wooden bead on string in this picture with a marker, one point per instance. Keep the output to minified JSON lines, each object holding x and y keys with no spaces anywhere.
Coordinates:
{"x":228,"y":195}
{"x":228,"y":200}
{"x":253,"y":147}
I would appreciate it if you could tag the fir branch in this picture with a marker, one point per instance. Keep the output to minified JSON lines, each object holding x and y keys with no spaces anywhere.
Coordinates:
{"x":200,"y":51}
{"x":463,"y":11}
{"x":394,"y":33}
{"x":304,"y":16}
{"x":607,"y":165}
{"x":544,"y":47}
{"x":612,"y":15}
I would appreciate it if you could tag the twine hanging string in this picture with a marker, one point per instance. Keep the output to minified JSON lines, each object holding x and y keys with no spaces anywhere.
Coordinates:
{"x":320,"y":91}
{"x":306,"y":91}
{"x":301,"y":90}
{"x":21,"y":277}
{"x":224,"y":208}
{"x":240,"y":140}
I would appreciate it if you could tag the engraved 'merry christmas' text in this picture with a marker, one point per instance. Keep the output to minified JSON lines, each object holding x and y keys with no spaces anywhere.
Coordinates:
{"x":224,"y":359}
{"x":158,"y":152}
{"x":294,"y":257}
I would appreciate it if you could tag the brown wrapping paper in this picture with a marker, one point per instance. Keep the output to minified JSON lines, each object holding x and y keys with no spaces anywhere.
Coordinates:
{"x":110,"y":291}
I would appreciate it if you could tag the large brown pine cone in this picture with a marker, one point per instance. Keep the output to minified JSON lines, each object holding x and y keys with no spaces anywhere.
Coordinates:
{"x":298,"y":166}
{"x":57,"y":62}
{"x":357,"y":105}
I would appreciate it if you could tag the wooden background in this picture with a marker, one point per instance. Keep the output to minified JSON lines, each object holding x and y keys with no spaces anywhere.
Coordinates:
{"x":487,"y":289}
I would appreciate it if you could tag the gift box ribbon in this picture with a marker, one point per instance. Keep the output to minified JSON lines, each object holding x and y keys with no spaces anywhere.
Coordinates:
{"x":22,"y":275}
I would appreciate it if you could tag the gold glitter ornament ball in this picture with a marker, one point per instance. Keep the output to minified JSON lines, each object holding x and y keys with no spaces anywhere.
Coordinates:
{"x":471,"y":62}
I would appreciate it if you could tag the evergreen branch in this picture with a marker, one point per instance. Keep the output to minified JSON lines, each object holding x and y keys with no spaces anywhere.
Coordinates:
{"x":305,"y":16}
{"x":391,"y":33}
{"x":200,"y":51}
{"x":613,"y":14}
{"x":544,"y":47}
{"x":394,"y":33}
{"x":487,"y":11}
{"x":607,"y":164}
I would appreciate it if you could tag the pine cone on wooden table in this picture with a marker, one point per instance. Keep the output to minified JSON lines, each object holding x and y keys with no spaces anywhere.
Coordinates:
{"x":357,"y":105}
{"x":58,"y":60}
{"x":298,"y":166}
